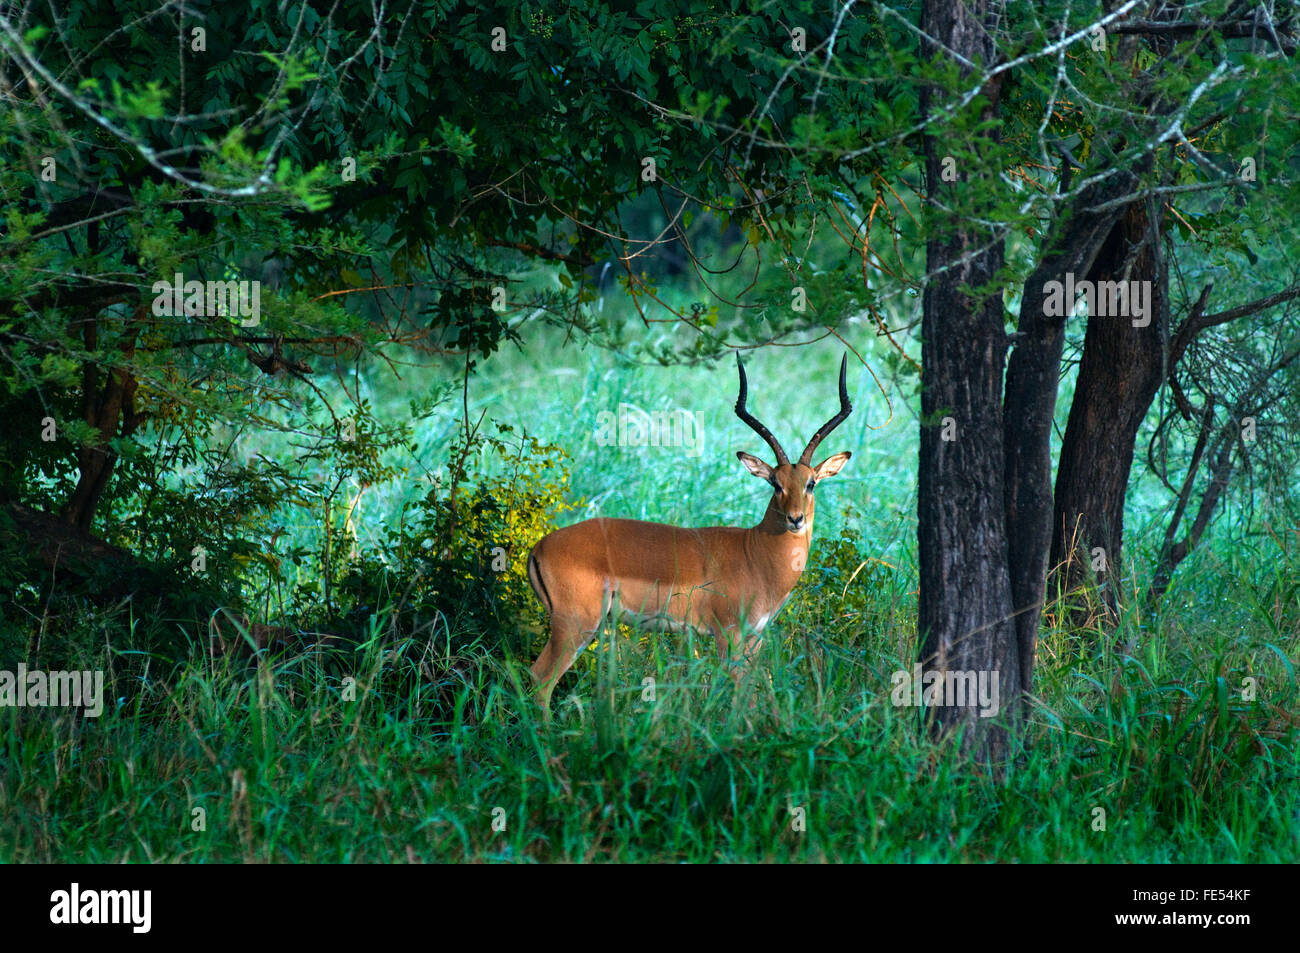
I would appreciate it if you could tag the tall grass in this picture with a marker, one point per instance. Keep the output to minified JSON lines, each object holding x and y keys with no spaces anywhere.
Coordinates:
{"x":807,"y":761}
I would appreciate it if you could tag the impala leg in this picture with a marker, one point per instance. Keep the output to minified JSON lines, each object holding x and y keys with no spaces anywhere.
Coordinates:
{"x":569,"y":636}
{"x":733,"y":655}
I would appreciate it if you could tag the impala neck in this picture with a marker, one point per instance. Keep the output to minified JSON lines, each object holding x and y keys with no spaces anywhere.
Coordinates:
{"x":772,"y":542}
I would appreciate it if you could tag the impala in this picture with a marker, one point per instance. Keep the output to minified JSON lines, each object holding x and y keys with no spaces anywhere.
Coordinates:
{"x":722,"y":578}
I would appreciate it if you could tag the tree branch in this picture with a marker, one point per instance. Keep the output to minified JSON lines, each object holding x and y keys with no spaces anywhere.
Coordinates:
{"x":1197,"y":322}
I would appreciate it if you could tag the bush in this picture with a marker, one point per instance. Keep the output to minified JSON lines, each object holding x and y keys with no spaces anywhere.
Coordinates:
{"x":456,"y":571}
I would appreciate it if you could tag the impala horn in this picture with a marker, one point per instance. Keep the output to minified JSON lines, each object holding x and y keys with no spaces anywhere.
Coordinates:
{"x":845,"y":409}
{"x":758,"y":428}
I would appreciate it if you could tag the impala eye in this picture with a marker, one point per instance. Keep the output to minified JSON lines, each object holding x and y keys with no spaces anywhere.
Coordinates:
{"x":809,"y":487}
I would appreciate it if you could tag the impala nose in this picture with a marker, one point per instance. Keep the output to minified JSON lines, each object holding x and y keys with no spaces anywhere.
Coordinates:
{"x":796,"y":522}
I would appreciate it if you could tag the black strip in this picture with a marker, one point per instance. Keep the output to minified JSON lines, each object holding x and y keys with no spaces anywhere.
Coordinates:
{"x":539,"y":584}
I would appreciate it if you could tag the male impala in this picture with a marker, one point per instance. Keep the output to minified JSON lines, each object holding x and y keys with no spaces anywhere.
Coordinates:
{"x":714,"y":577}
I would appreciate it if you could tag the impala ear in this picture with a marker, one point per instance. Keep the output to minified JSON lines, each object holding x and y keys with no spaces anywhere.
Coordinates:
{"x":831,"y":465}
{"x":755,"y":465}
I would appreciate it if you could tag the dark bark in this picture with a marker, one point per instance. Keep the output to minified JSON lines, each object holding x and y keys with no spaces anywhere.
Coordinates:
{"x":1076,"y":244}
{"x":1122,"y":369}
{"x":964,"y":612}
{"x":1119,"y":375}
{"x":985,"y":506}
{"x":59,"y":549}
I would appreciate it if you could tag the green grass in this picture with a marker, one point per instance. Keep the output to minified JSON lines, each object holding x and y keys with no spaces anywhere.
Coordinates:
{"x":286,"y":769}
{"x":445,"y":759}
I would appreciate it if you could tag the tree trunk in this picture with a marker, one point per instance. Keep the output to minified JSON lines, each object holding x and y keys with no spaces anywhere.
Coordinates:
{"x":964,"y":613}
{"x":107,"y":409}
{"x":1076,"y":241}
{"x":985,"y":491}
{"x":1119,"y":375}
